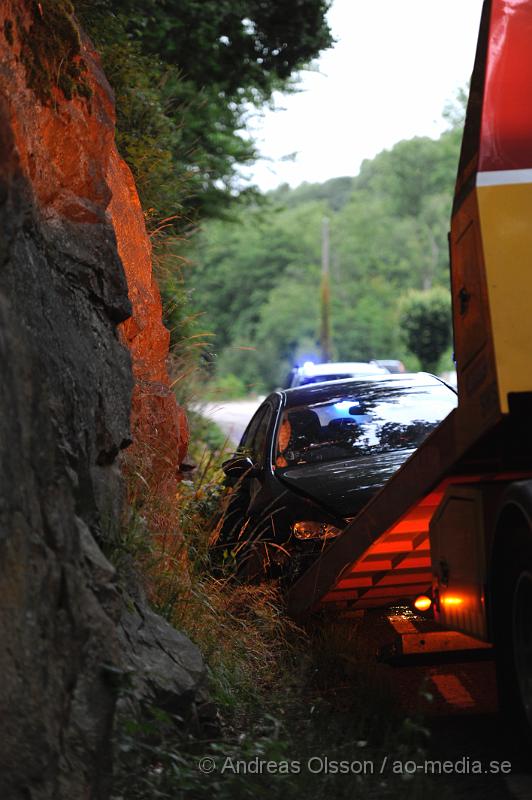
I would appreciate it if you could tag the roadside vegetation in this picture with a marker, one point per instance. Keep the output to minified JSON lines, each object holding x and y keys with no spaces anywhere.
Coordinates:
{"x":279,"y":693}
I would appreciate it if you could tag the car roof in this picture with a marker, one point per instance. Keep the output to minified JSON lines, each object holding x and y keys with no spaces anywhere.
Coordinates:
{"x":321,"y":392}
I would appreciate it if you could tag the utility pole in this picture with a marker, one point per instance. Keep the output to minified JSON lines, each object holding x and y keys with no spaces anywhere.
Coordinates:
{"x":325,"y":331}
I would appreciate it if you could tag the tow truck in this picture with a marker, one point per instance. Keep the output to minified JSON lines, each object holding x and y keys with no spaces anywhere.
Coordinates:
{"x":451,"y":531}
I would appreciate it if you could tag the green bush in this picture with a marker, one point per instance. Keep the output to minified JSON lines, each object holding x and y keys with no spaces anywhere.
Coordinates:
{"x":425,"y":322}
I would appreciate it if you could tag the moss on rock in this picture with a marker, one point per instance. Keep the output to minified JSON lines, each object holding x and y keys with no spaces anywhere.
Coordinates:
{"x":51,"y":50}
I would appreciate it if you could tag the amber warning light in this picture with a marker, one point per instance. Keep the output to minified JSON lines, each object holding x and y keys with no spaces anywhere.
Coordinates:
{"x":422,"y":603}
{"x":450,"y":600}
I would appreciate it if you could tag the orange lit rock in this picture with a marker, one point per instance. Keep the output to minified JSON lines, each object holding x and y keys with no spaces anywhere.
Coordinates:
{"x":76,"y":173}
{"x":159,"y":427}
{"x":62,"y":153}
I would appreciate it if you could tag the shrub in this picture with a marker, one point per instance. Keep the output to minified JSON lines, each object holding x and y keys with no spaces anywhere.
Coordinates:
{"x":425,"y":321}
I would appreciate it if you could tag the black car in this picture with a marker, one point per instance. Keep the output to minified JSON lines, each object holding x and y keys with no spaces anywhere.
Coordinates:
{"x":312,"y":457}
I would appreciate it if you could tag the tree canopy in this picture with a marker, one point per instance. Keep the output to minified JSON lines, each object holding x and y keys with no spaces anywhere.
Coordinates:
{"x":244,"y":48}
{"x":187,"y":74}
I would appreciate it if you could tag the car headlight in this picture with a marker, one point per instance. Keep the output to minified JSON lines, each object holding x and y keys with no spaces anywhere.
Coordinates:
{"x":314,"y":530}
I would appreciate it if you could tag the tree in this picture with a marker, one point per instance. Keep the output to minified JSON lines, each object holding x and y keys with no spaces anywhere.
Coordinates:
{"x":336,"y":192}
{"x":411,"y":171}
{"x":186,"y":74}
{"x":425,"y":323}
{"x":454,"y":111}
{"x":238,"y":265}
{"x":243,"y":47}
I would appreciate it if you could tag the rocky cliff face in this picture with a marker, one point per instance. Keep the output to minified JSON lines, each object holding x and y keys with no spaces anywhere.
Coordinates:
{"x":159,"y":426}
{"x":69,"y":222}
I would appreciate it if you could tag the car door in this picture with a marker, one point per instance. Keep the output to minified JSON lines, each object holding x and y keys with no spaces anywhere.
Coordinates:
{"x":265,"y":498}
{"x":257,"y":445}
{"x":248,"y":493}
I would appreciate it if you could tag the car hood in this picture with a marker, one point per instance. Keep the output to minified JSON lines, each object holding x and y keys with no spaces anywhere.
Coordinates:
{"x":344,"y":487}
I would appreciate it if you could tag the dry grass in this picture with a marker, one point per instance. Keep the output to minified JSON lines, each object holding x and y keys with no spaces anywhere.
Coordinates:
{"x":281,"y":693}
{"x":248,"y":642}
{"x":246,"y":639}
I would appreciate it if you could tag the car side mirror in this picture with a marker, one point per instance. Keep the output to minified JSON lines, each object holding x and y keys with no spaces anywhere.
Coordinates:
{"x":240,"y":467}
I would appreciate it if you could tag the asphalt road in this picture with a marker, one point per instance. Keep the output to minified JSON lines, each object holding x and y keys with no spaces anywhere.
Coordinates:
{"x":231,"y":416}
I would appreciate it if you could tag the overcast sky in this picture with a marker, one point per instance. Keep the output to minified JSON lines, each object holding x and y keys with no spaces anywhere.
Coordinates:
{"x":394,"y":65}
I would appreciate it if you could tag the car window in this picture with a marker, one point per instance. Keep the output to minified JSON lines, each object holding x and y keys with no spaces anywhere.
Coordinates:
{"x":379,"y":420}
{"x":253,"y":442}
{"x":261,"y":438}
{"x":251,"y":429}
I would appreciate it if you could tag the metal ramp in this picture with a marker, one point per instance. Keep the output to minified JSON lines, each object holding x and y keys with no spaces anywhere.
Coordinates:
{"x":383,"y":555}
{"x":397,"y":565}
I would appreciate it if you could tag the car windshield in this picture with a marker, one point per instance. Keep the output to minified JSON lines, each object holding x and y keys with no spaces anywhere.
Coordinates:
{"x":377,"y":420}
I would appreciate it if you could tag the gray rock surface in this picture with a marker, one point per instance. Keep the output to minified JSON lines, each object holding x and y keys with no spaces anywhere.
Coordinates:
{"x":164,"y":667}
{"x":64,"y":393}
{"x":65,"y":396}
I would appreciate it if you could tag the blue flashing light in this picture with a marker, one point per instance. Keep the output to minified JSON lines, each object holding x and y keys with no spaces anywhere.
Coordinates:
{"x":345,"y":405}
